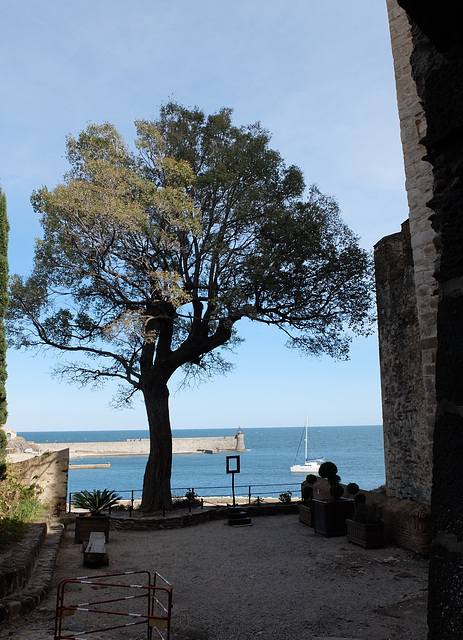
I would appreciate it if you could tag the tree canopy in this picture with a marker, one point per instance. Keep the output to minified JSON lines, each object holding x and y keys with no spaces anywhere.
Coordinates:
{"x":150,"y":257}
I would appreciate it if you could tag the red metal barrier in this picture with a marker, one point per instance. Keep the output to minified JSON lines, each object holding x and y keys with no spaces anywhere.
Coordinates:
{"x":154,"y":597}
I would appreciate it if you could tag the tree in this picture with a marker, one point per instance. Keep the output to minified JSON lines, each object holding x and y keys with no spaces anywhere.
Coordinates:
{"x":150,"y":258}
{"x":4,"y":230}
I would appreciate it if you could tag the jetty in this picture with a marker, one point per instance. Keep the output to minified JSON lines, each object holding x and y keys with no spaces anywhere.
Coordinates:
{"x":104,"y":465}
{"x":141,"y":446}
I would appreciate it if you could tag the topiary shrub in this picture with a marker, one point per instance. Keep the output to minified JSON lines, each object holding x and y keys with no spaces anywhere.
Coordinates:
{"x":329,"y":471}
{"x":311,"y":479}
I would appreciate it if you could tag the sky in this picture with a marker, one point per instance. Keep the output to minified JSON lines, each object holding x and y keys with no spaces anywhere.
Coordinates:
{"x":318,"y":75}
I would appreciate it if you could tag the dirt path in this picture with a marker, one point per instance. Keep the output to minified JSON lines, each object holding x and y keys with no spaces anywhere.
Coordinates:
{"x":273,"y":579}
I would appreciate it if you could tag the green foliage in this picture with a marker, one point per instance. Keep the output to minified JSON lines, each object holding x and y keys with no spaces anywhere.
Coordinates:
{"x":336,"y":491}
{"x":359,"y":498}
{"x":10,"y":531}
{"x":367,"y":513}
{"x":27,"y":510}
{"x":96,"y":501}
{"x":328,"y":470}
{"x":285,"y":497}
{"x":19,"y":505}
{"x":352,"y":488}
{"x":3,"y":454}
{"x":307,"y":495}
{"x":203,"y":225}
{"x":4,"y":231}
{"x":192,"y":497}
{"x":149,"y":258}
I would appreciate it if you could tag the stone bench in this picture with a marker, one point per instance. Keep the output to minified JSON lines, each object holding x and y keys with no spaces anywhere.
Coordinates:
{"x":95,"y":550}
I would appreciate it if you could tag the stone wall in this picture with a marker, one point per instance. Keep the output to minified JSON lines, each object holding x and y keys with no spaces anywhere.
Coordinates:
{"x":408,"y":334}
{"x":437,"y":66}
{"x":407,"y":461}
{"x":50,"y":473}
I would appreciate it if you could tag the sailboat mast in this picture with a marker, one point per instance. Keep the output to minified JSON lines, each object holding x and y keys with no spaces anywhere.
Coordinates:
{"x":306,"y":433}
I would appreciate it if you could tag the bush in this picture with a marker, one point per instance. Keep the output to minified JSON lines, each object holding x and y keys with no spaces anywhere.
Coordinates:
{"x":367,"y":513}
{"x":10,"y":531}
{"x":307,"y":496}
{"x":18,"y":505}
{"x":329,"y":471}
{"x":96,"y":501}
{"x":352,"y":488}
{"x":192,"y":497}
{"x":285,"y":497}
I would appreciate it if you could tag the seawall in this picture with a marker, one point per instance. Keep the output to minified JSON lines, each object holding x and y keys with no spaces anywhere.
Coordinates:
{"x":140,"y":446}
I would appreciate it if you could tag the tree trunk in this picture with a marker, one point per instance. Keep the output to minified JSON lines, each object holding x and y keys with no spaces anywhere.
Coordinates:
{"x":156,"y":482}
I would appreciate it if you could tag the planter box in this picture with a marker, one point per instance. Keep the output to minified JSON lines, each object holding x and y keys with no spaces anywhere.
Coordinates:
{"x":330,"y":517}
{"x":86,"y":524}
{"x":306,"y":515}
{"x":368,"y":536}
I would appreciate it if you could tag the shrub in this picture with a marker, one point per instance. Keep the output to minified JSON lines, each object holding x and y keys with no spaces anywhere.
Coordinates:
{"x":285,"y":497}
{"x":329,"y":471}
{"x":352,"y":488}
{"x":367,"y":513}
{"x":96,"y":501}
{"x":192,"y":497}
{"x":307,"y":496}
{"x":18,"y":505}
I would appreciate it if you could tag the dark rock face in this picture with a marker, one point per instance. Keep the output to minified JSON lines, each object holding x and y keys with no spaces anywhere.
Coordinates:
{"x":437,"y":63}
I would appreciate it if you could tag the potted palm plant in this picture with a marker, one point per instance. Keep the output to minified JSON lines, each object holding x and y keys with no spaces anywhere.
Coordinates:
{"x":330,"y":514}
{"x":306,"y":505}
{"x":365,"y":528}
{"x":94,"y":520}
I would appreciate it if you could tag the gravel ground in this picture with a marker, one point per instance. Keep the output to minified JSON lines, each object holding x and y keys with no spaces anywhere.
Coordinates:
{"x":271,"y":580}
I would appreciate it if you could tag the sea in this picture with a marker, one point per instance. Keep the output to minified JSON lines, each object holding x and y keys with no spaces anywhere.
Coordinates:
{"x":357,"y":451}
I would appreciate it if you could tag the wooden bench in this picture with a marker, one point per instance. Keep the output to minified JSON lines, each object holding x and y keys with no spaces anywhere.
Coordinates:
{"x":95,"y":550}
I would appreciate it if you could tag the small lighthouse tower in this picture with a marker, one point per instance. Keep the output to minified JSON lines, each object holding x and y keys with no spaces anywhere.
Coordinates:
{"x":240,"y":441}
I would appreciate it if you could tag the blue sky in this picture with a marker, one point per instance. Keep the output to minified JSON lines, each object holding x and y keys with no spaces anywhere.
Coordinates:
{"x":317,"y":75}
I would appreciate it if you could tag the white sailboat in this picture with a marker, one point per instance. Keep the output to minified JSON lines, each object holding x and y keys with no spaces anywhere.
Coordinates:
{"x":311,"y":465}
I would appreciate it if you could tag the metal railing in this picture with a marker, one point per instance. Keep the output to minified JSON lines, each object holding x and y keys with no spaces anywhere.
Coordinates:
{"x":253,"y":493}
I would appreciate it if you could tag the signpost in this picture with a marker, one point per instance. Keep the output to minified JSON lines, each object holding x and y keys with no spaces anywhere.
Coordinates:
{"x":233,"y":466}
{"x":236,"y":515}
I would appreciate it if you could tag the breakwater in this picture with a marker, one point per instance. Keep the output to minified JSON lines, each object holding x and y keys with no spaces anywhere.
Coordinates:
{"x":140,"y":446}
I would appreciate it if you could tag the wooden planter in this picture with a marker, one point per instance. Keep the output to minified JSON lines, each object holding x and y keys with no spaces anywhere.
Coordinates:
{"x":85,"y":524}
{"x":368,"y":536}
{"x":306,"y":514}
{"x":330,"y":517}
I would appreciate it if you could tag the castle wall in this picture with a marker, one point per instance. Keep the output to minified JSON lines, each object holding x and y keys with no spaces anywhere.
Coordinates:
{"x":437,"y":64}
{"x":50,"y":474}
{"x":403,"y":393}
{"x":409,"y":351}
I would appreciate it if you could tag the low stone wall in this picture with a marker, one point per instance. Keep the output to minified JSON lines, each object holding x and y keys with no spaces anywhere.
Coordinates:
{"x":16,"y":569}
{"x":174,"y":520}
{"x":50,"y":473}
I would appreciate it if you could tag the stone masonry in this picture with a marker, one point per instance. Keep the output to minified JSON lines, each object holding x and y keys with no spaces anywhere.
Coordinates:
{"x":403,"y":393}
{"x":49,"y":473}
{"x":409,"y":409}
